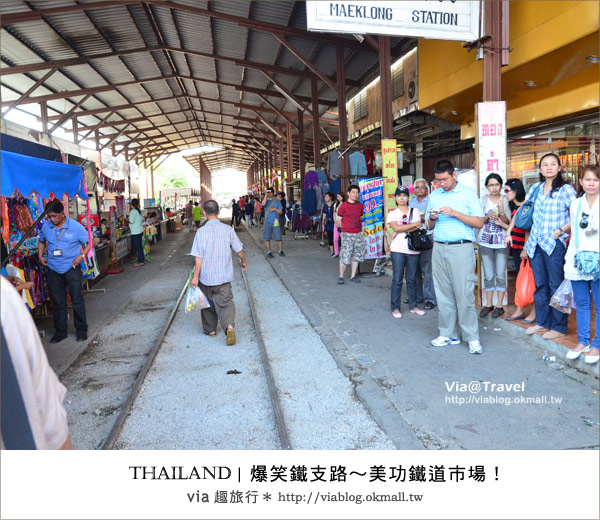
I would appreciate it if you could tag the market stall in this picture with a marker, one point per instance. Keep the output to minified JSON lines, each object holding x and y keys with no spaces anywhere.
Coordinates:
{"x":27,"y":184}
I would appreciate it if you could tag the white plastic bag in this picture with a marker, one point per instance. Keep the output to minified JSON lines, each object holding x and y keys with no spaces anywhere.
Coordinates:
{"x":563,"y":299}
{"x":195,"y":300}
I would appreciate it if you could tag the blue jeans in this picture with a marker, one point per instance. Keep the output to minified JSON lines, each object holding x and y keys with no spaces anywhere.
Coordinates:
{"x":548,"y":273}
{"x":400,"y":261}
{"x":583,"y":301}
{"x":136,"y":242}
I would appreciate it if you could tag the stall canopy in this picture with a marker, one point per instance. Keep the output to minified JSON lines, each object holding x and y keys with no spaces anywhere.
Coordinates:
{"x":28,"y":174}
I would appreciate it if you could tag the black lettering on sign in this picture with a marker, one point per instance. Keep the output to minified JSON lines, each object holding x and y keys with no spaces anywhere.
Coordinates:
{"x":435,"y":17}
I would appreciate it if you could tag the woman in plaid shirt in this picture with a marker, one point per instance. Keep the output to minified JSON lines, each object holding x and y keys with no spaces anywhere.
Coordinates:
{"x":547,"y":243}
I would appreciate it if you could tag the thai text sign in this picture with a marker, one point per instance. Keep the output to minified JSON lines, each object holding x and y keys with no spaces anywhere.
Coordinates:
{"x":389,"y":160}
{"x":491,"y":141}
{"x":371,"y":197}
{"x":443,"y":20}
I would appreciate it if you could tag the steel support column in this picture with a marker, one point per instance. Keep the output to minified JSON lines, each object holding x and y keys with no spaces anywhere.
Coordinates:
{"x":343,"y":123}
{"x":290,"y":154}
{"x":281,"y":161}
{"x":315,"y":122}
{"x":301,"y":158}
{"x":385,"y":88}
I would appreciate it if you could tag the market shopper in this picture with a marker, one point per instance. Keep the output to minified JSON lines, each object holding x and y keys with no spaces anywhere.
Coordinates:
{"x":271,"y":229}
{"x":33,"y":416}
{"x":349,"y":219}
{"x":337,"y":230}
{"x":493,"y":251}
{"x":213,"y":271}
{"x":425,"y":286}
{"x":581,"y":263}
{"x":197,"y":214}
{"x":257,"y":213}
{"x":327,"y":222}
{"x":136,"y":229}
{"x":63,"y":239}
{"x":249,"y":211}
{"x":235,"y":213}
{"x":546,"y":245}
{"x":515,"y":238}
{"x":454,"y":211}
{"x":189,"y":214}
{"x":403,"y":220}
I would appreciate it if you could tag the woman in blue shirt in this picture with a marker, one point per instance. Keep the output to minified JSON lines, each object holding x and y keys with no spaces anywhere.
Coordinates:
{"x":328,"y":220}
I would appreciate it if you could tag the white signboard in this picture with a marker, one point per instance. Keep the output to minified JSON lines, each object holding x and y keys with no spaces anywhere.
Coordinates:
{"x":491,"y":141}
{"x":440,"y":20}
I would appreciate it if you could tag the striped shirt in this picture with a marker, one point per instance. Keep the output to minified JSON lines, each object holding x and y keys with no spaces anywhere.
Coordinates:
{"x":213,"y":243}
{"x":462,"y":199}
{"x":517,"y":234}
{"x":549,"y":213}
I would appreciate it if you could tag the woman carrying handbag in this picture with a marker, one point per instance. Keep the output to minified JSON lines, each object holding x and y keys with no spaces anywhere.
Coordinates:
{"x":581,"y":263}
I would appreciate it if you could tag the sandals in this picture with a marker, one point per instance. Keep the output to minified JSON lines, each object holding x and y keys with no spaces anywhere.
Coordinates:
{"x":418,"y":312}
{"x":397,"y":314}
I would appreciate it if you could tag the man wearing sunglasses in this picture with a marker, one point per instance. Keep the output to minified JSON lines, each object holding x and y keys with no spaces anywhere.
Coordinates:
{"x":64,"y":238}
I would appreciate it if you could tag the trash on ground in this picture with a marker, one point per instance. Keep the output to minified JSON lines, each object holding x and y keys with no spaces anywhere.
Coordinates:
{"x":497,"y":329}
{"x":485,"y":328}
{"x":234,"y":372}
{"x":546,"y":357}
{"x":187,"y":346}
{"x":591,"y":423}
{"x":363,"y":359}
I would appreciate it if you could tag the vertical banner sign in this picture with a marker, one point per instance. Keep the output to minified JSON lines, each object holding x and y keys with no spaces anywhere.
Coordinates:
{"x":491,"y":141}
{"x":371,"y":197}
{"x":389,"y":160}
{"x":113,"y":234}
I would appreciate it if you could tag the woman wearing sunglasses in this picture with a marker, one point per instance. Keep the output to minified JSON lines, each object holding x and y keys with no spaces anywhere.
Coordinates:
{"x":516,"y":238}
{"x":546,"y":245}
{"x":581,"y":262}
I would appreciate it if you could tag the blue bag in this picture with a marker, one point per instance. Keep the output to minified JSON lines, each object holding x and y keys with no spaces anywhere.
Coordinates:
{"x":524,"y":217}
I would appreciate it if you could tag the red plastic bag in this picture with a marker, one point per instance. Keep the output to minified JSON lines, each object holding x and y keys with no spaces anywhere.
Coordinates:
{"x":525,"y":285}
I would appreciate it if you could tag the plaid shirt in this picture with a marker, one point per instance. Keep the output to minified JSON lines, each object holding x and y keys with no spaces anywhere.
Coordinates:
{"x":213,"y":243}
{"x":549,"y":213}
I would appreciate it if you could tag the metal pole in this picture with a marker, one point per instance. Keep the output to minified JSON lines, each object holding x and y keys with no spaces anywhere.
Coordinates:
{"x":385,"y":87}
{"x":315,"y":123}
{"x":342,"y":120}
{"x":301,"y":157}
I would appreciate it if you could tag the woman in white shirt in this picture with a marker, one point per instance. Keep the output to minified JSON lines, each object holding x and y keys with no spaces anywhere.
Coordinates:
{"x":581,"y":262}
{"x":402,"y":221}
{"x":492,"y":249}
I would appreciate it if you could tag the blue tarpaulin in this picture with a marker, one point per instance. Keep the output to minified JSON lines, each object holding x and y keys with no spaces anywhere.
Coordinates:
{"x":27,"y":174}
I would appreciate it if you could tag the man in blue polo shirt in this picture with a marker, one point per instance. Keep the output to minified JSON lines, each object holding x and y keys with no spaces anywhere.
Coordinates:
{"x":454,"y":211}
{"x":64,"y":238}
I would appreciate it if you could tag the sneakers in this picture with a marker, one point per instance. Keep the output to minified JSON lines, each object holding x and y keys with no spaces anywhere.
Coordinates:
{"x":340,"y":281}
{"x":230,"y":337}
{"x":475,"y":347}
{"x":281,"y":253}
{"x":355,"y":280}
{"x":57,"y":338}
{"x":443,"y":341}
{"x":269,"y":254}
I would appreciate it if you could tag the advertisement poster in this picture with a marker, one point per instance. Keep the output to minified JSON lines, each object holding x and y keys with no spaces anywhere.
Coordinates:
{"x":491,"y":141}
{"x":389,"y":159}
{"x":371,"y":197}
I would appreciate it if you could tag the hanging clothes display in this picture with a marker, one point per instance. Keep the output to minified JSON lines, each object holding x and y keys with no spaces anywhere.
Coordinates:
{"x":309,"y":200}
{"x":336,"y":186}
{"x":370,"y":159}
{"x":358,"y":164}
{"x":311,"y":180}
{"x":333,"y":164}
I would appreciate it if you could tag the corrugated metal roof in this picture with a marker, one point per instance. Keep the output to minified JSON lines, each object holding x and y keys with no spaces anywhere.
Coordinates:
{"x":120,"y":28}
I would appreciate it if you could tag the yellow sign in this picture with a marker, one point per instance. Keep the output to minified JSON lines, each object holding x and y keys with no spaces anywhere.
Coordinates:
{"x":389,"y":160}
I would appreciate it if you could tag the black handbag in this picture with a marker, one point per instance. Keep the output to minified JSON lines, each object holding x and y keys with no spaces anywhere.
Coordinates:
{"x":418,"y":240}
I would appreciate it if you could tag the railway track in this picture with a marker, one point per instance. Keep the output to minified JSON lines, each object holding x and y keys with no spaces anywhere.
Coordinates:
{"x":280,"y":423}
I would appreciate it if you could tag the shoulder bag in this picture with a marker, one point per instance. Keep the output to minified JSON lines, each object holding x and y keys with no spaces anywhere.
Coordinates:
{"x":524,"y":216}
{"x":418,"y":240}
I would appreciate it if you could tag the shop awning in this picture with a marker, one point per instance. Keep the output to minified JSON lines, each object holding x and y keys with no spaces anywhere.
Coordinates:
{"x":27,"y":174}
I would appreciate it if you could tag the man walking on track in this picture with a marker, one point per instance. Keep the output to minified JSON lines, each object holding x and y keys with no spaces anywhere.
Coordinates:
{"x":353,"y":244}
{"x":213,"y":271}
{"x":454,"y":210}
{"x":272,"y":229}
